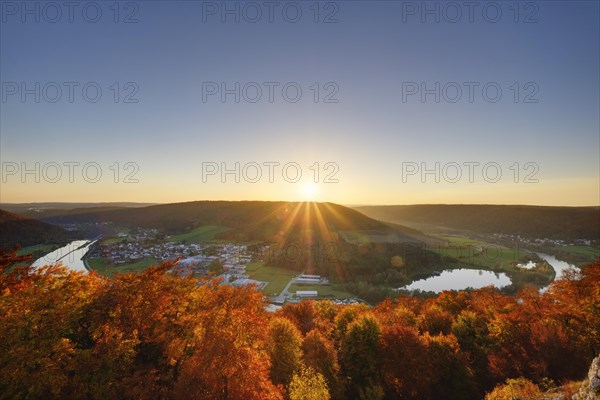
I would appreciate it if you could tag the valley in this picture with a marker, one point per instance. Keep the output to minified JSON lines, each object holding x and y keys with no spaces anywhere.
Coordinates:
{"x":269,"y":244}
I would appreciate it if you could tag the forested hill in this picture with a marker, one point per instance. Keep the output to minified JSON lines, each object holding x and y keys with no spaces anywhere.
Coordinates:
{"x":254,"y":218}
{"x":18,"y":230}
{"x":52,"y":209}
{"x":528,"y":221}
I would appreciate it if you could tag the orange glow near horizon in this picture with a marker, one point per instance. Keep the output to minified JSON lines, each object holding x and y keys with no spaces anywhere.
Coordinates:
{"x":350,"y":191}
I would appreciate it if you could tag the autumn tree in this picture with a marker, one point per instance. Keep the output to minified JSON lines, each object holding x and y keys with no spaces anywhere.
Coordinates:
{"x":307,"y":384}
{"x":574,"y":303}
{"x":39,"y":330}
{"x":515,"y":389}
{"x":344,"y":318}
{"x":392,"y":313}
{"x":470,"y":329}
{"x":402,"y":352}
{"x":452,"y":376}
{"x":303,"y":314}
{"x":434,"y":320}
{"x":359,"y":355}
{"x":320,"y":354}
{"x":285,"y":351}
{"x":229,"y":346}
{"x":451,"y":301}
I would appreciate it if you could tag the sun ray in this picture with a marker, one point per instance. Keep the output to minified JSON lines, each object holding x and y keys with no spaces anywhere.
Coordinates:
{"x":331,"y":243}
{"x":273,"y":213}
{"x":336,"y":215}
{"x":308,"y":237}
{"x":289,"y":222}
{"x":323,"y":228}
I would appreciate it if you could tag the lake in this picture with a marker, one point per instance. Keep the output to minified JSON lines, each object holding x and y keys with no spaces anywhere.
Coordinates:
{"x":459,"y":279}
{"x":70,"y":256}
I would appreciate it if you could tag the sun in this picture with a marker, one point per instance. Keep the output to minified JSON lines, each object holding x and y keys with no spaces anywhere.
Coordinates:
{"x":309,"y":191}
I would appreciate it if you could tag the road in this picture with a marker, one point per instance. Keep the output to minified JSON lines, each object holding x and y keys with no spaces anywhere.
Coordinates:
{"x":284,"y":292}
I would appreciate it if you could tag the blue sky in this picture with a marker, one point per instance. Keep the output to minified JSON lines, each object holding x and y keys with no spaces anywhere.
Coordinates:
{"x":373,"y":50}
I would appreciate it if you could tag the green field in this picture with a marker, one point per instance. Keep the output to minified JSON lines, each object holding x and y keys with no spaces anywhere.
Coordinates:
{"x":102,"y":267}
{"x":36,"y":251}
{"x":461,"y":240}
{"x":113,"y":240}
{"x":375,"y":236}
{"x":576,"y":255}
{"x":327,"y":291}
{"x":201,"y":234}
{"x":480,"y":254}
{"x":38,"y":248}
{"x":277,"y":277}
{"x":591,"y":253}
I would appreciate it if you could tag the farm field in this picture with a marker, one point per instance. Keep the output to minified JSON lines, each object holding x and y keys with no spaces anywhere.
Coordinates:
{"x":277,"y":277}
{"x":585,"y":251}
{"x":200,"y":234}
{"x":38,"y":248}
{"x":479,"y":253}
{"x":36,"y":251}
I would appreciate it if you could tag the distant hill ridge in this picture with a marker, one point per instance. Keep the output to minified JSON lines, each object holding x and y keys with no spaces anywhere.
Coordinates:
{"x":47,"y":209}
{"x":528,"y":221}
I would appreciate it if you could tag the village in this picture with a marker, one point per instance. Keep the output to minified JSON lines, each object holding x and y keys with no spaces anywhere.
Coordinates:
{"x":542,"y":241}
{"x":225,"y":261}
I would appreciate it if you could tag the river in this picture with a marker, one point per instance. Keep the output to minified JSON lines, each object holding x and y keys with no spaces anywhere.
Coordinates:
{"x":463,"y":278}
{"x":559,"y":266}
{"x":70,"y":256}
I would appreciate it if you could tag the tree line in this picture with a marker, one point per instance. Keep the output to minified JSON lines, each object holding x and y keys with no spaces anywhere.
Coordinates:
{"x":155,"y":335}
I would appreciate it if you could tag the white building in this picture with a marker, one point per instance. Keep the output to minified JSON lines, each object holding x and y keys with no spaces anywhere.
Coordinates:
{"x":308,"y":279}
{"x":306,"y":293}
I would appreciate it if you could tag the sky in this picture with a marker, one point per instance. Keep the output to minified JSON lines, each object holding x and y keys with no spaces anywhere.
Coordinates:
{"x":352,"y":102}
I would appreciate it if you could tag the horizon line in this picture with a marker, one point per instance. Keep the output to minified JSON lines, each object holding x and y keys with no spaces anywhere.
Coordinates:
{"x":149,"y":203}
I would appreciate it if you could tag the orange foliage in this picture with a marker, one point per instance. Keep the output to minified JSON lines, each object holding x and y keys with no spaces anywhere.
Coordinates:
{"x":158,"y":336}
